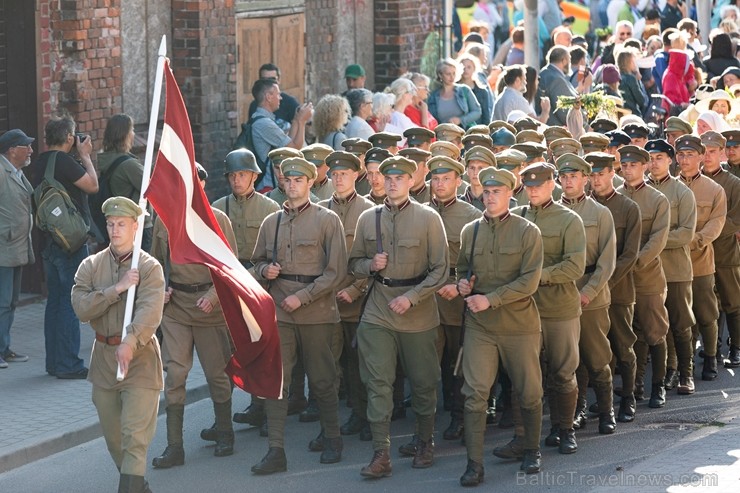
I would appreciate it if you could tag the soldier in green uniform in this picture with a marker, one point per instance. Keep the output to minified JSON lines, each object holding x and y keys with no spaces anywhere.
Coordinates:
{"x":733,"y":151}
{"x":193,"y":319}
{"x":301,"y":250}
{"x":127,"y":409}
{"x":619,"y":140}
{"x":316,"y":154}
{"x":532,"y":136}
{"x":558,"y":299}
{"x":386,"y":140}
{"x":402,"y":246}
{"x":526,"y":123}
{"x":675,"y":128}
{"x":373,"y":158}
{"x":554,"y":133}
{"x":638,"y":133}
{"x":476,"y":159}
{"x":449,"y":132}
{"x":473,"y":139}
{"x":562,"y":146}
{"x":502,"y":325}
{"x":359,"y":147}
{"x":443,"y":148}
{"x":651,"y":317}
{"x":514,"y":161}
{"x":502,"y":139}
{"x":277,"y":156}
{"x":676,"y":260}
{"x":594,"y":142}
{"x":603,"y":125}
{"x":419,"y":137}
{"x":420,"y":192}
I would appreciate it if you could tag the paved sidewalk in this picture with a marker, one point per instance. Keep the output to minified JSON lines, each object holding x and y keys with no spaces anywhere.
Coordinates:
{"x":41,"y":415}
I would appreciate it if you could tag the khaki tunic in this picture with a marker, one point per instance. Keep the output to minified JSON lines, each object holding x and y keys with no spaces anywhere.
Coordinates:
{"x":711,"y":209}
{"x":520,"y":195}
{"x":734,"y":169}
{"x":246,"y":215}
{"x":676,"y":257}
{"x":467,"y":196}
{"x":311,"y":242}
{"x":278,"y":195}
{"x":423,"y":195}
{"x":375,"y":200}
{"x":362,"y":185}
{"x":323,"y":191}
{"x":726,"y":249}
{"x":94,"y":299}
{"x":414,"y":238}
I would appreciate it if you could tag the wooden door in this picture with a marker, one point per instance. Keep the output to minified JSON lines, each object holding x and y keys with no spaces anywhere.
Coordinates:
{"x":289,"y":53}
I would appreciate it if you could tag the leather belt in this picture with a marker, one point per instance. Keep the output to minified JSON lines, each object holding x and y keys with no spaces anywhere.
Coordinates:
{"x":397,"y":283}
{"x":298,"y":278}
{"x":110,"y":340}
{"x":590,"y":269}
{"x":191,"y":288}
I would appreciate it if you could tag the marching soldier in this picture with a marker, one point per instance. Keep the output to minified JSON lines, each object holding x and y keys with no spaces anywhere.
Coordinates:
{"x":359,"y":147}
{"x":127,"y":409}
{"x":277,"y":156}
{"x":502,"y":139}
{"x":386,"y":140}
{"x":476,"y":159}
{"x":675,"y":128}
{"x":449,"y":132}
{"x":733,"y":152}
{"x":316,"y":154}
{"x":419,"y":137}
{"x":554,"y":133}
{"x":373,"y":158}
{"x":594,"y":142}
{"x":421,"y":192}
{"x":514,"y":161}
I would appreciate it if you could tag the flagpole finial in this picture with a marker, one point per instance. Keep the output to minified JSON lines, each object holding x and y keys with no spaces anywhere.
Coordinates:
{"x":163,"y":46}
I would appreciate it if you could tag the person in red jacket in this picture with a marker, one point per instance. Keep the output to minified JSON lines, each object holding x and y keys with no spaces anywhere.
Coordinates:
{"x":678,"y":80}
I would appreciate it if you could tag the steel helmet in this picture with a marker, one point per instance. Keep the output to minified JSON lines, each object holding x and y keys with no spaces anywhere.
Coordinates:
{"x":241,"y":160}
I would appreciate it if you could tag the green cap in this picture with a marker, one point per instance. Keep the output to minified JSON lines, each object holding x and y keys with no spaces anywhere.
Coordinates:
{"x":510,"y":159}
{"x":710,"y":138}
{"x":415,"y":154}
{"x":600,"y":160}
{"x":416,"y":136}
{"x":478,"y":129}
{"x":356,"y":145}
{"x":526,"y":123}
{"x":559,"y":147}
{"x":343,"y":160}
{"x":530,"y":136}
{"x":569,"y":162}
{"x":480,"y":153}
{"x":537,"y":174}
{"x":633,"y":154}
{"x":280,"y":154}
{"x":354,"y":71}
{"x":556,"y":132}
{"x":473,"y":140}
{"x":594,"y":142}
{"x":444,"y":164}
{"x":443,"y":148}
{"x":448,"y":132}
{"x":732,"y":136}
{"x":295,"y":166}
{"x":603,"y":125}
{"x":377,"y":155}
{"x":496,"y":124}
{"x":385,"y":139}
{"x":397,"y":165}
{"x":494,"y":177}
{"x":675,"y":124}
{"x":688,"y":143}
{"x":316,"y":153}
{"x":531,"y":150}
{"x":121,"y":207}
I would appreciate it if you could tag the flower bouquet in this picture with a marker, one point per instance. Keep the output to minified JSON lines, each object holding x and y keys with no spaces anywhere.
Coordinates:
{"x":592,"y":103}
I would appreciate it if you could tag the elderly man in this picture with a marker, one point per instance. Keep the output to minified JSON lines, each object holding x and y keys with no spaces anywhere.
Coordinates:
{"x":554,"y":82}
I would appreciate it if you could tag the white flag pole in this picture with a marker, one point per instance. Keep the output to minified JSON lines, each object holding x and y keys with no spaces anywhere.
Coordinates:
{"x":131,"y":294}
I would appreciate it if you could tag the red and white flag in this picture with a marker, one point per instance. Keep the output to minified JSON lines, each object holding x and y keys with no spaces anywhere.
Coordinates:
{"x":196,"y":238}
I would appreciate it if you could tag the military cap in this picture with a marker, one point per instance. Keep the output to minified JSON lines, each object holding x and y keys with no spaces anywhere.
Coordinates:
{"x":636,"y":130}
{"x":537,"y":174}
{"x":416,"y":136}
{"x":689,"y":143}
{"x":556,"y":132}
{"x":202,"y":173}
{"x":675,"y":124}
{"x":711,"y":138}
{"x":618,"y":137}
{"x":530,"y":136}
{"x":594,"y":141}
{"x":496,"y":124}
{"x":603,"y":125}
{"x":356,"y":145}
{"x":443,"y":148}
{"x":559,"y":147}
{"x":444,"y":164}
{"x":472,"y":140}
{"x":480,"y":153}
{"x":397,"y":165}
{"x":732,"y":136}
{"x":448,"y":132}
{"x":600,"y":160}
{"x":280,"y":154}
{"x":17,"y":137}
{"x":532,"y":150}
{"x":569,"y":162}
{"x":526,"y":123}
{"x":510,"y":159}
{"x":415,"y":154}
{"x":503,"y":137}
{"x":121,"y":207}
{"x":384,"y":139}
{"x":633,"y":154}
{"x":377,"y":155}
{"x":343,"y":160}
{"x":295,"y":166}
{"x":493,"y":177}
{"x":660,"y":145}
{"x":478,"y":129}
{"x":316,"y":153}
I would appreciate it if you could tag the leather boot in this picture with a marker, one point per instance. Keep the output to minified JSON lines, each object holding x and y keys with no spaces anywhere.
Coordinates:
{"x":607,"y":423}
{"x":353,"y":425}
{"x":409,"y":449}
{"x":424,"y":456}
{"x":594,"y":408}
{"x":733,"y":358}
{"x":209,"y":434}
{"x":579,"y":420}
{"x":709,"y":371}
{"x":473,"y":475}
{"x":332,"y":450}
{"x":532,"y":462}
{"x":310,"y":414}
{"x":129,"y":483}
{"x":686,"y":385}
{"x":455,"y":430}
{"x":671,"y":379}
{"x":657,"y":395}
{"x":627,"y":409}
{"x":512,"y":450}
{"x":553,"y":439}
{"x":639,"y":393}
{"x":225,"y":431}
{"x":379,"y":467}
{"x":174,"y":454}
{"x":568,"y":443}
{"x":317,"y":444}
{"x":253,"y":415}
{"x":273,"y":462}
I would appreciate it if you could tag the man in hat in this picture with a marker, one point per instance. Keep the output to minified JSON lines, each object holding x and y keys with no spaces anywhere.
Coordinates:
{"x":558,"y":299}
{"x":627,"y":227}
{"x":277,"y":156}
{"x":16,"y":249}
{"x":565,"y":145}
{"x":128,"y":409}
{"x":193,"y":319}
{"x":316,"y":154}
{"x":530,"y":136}
{"x":301,"y":250}
{"x":496,"y":124}
{"x":732,"y":150}
{"x":502,"y":139}
{"x":472,"y":140}
{"x":676,"y":260}
{"x":651,"y":317}
{"x":638,"y":133}
{"x":726,"y":246}
{"x":386,"y":140}
{"x":355,"y":76}
{"x":398,"y":245}
{"x":619,"y":139}
{"x":603,"y":125}
{"x":449,"y":132}
{"x":476,"y":159}
{"x":419,"y":137}
{"x":711,"y":210}
{"x":446,"y":177}
{"x":359,"y":147}
{"x":420,"y":191}
{"x":502,"y":323}
{"x":348,"y":205}
{"x":373,"y":158}
{"x":554,"y":133}
{"x":526,"y":123}
{"x":443,"y":148}
{"x":594,"y":142}
{"x":514,"y":161}
{"x":675,"y":128}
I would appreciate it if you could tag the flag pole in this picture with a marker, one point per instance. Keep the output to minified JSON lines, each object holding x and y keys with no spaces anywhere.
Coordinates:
{"x":128,"y":315}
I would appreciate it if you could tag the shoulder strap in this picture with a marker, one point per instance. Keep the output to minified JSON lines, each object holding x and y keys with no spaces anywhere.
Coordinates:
{"x":275,"y":241}
{"x":378,"y":237}
{"x":50,"y":169}
{"x":112,"y":169}
{"x":472,"y":250}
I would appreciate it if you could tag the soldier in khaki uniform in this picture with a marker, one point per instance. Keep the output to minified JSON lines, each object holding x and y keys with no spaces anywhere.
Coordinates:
{"x":502,"y":139}
{"x":476,"y":160}
{"x":594,"y":142}
{"x":619,"y":140}
{"x":408,"y":262}
{"x":733,"y":152}
{"x":316,"y":154}
{"x":502,"y":324}
{"x":558,"y":299}
{"x":638,"y":133}
{"x":514,"y":161}
{"x":675,"y":128}
{"x":601,"y":257}
{"x":386,"y":140}
{"x":421,"y":192}
{"x":449,"y":132}
{"x":193,"y":320}
{"x":305,"y":262}
{"x":373,"y":158}
{"x":554,"y":133}
{"x":443,"y":148}
{"x":358,"y":147}
{"x":711,"y":209}
{"x":603,"y":125}
{"x":277,"y":156}
{"x":474,"y":139}
{"x":651,"y":317}
{"x":676,"y":260}
{"x":530,"y":136}
{"x":127,"y":409}
{"x":419,"y":137}
{"x":562,"y":146}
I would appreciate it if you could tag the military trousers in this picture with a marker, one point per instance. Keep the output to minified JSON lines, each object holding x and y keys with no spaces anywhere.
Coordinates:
{"x":380,"y":348}
{"x":128,"y":418}
{"x":448,"y":347}
{"x":355,"y":388}
{"x":622,"y":339}
{"x":728,"y":289}
{"x":678,"y":302}
{"x":213,"y":345}
{"x":560,"y":340}
{"x":706,"y":313}
{"x":596,"y":355}
{"x":651,"y":326}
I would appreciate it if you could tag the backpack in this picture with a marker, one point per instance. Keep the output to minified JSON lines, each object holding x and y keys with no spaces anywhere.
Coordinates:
{"x":56,"y":214}
{"x":245,"y":140}
{"x":99,"y":227}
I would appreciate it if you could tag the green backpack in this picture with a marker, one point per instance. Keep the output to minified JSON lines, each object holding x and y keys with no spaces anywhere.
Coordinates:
{"x":56,"y":214}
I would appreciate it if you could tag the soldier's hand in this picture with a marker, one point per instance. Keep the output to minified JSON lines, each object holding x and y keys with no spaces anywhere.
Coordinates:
{"x":130,"y":278}
{"x":465,"y":287}
{"x":380,"y":261}
{"x":448,"y":292}
{"x":204,"y":305}
{"x":124,"y":355}
{"x":271,"y":271}
{"x":344,"y":296}
{"x":585,"y":300}
{"x":400,"y":304}
{"x":291,"y":303}
{"x":477,"y":303}
{"x":167,"y":295}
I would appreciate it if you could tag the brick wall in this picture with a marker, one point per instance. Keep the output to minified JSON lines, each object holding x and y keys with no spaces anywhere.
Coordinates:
{"x":323,"y":76}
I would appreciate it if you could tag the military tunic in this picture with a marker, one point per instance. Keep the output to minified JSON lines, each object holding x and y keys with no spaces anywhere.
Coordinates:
{"x":278,"y":195}
{"x":375,"y":200}
{"x":323,"y":190}
{"x":422,"y":195}
{"x":362,"y":184}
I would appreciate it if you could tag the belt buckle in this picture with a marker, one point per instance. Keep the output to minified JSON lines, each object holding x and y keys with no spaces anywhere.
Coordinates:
{"x":385,"y":281}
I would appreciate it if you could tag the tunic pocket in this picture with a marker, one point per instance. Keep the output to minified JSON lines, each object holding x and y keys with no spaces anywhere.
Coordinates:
{"x":408,"y":250}
{"x":305,"y":252}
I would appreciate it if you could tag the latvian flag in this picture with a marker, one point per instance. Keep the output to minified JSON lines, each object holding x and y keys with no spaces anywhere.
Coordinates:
{"x":196,"y":238}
